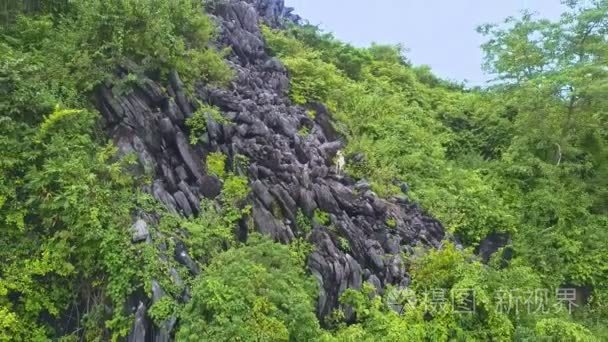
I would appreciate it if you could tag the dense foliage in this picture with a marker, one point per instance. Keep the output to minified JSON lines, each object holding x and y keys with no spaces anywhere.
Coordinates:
{"x":525,"y":157}
{"x":60,"y":59}
{"x":257,"y":292}
{"x":66,"y":202}
{"x":65,"y":207}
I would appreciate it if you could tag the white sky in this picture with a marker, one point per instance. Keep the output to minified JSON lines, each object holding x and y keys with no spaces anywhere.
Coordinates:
{"x":438,"y":33}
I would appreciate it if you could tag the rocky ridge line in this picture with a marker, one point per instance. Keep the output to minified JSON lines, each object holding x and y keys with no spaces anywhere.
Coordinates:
{"x":286,"y":171}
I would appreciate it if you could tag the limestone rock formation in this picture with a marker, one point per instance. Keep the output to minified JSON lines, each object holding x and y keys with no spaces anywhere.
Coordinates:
{"x":286,"y":170}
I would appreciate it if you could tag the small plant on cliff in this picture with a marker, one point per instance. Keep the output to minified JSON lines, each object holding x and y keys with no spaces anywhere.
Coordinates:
{"x":198,"y":122}
{"x":162,"y":310}
{"x":198,"y":126}
{"x":240,"y":163}
{"x":321,"y":217}
{"x":311,"y":113}
{"x":303,"y":223}
{"x":212,"y":232}
{"x":235,"y":189}
{"x":216,"y":164}
{"x":304,"y":131}
{"x":344,"y":244}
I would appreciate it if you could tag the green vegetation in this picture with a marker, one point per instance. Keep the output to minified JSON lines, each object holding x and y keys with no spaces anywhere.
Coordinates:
{"x":59,"y":59}
{"x":311,"y":114}
{"x":343,"y":244}
{"x":303,"y":223}
{"x":391,"y":222}
{"x":198,"y":122}
{"x":258,"y":292}
{"x":526,"y":156}
{"x":216,"y":164}
{"x":162,"y":310}
{"x":235,"y":188}
{"x":210,"y":233}
{"x":304,"y":131}
{"x":443,"y":282}
{"x":66,"y":202}
{"x":64,"y":208}
{"x":240,"y":163}
{"x":321,"y":217}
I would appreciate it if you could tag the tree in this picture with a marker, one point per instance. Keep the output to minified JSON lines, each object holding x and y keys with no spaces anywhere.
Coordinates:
{"x":255,"y":292}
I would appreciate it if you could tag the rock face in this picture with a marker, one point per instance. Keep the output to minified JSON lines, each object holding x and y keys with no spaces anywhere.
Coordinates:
{"x":287,"y":172}
{"x":491,"y":244}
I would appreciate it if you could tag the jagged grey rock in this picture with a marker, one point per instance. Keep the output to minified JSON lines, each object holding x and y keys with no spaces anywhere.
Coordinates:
{"x":287,"y":172}
{"x":491,"y":244}
{"x":183,"y":257}
{"x":162,"y":333}
{"x":140,"y":231}
{"x":140,"y":325}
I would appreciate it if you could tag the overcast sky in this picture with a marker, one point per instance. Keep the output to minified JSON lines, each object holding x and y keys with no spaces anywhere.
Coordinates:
{"x":438,"y":33}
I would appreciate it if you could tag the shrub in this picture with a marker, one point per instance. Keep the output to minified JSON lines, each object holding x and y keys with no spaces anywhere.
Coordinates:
{"x":216,"y":164}
{"x":343,"y":244}
{"x":258,"y":291}
{"x":235,"y":189}
{"x":211,"y":233}
{"x":198,"y":122}
{"x":563,"y":330}
{"x":303,"y":223}
{"x":61,"y":59}
{"x":64,"y":211}
{"x":321,"y":217}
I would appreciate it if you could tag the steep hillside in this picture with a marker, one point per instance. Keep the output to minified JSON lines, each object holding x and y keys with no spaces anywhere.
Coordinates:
{"x":178,"y":170}
{"x":291,"y":174}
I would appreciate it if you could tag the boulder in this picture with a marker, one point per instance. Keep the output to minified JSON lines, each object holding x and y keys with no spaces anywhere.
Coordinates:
{"x":140,"y":231}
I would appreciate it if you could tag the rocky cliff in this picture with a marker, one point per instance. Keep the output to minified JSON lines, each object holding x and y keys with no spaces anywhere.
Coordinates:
{"x":286,"y":170}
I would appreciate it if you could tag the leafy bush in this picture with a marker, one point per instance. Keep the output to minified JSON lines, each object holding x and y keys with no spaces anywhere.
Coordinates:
{"x":211,"y":233}
{"x":563,"y":331}
{"x":451,"y":298}
{"x":303,"y":223}
{"x":158,"y":35}
{"x":65,"y":208}
{"x":198,"y":122}
{"x":321,"y":217}
{"x":343,"y":244}
{"x":162,"y":310}
{"x":258,"y":291}
{"x":60,"y":59}
{"x":235,"y":189}
{"x":216,"y":164}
